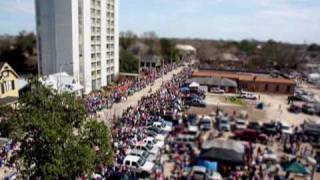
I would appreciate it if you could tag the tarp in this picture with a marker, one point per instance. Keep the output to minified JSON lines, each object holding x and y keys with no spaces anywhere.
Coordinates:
{"x":295,"y":167}
{"x":211,"y":166}
{"x":223,"y":151}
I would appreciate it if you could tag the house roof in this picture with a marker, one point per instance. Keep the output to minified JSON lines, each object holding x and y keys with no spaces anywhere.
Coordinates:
{"x":214,"y":81}
{"x":259,"y":78}
{"x":3,"y":64}
{"x":8,"y":100}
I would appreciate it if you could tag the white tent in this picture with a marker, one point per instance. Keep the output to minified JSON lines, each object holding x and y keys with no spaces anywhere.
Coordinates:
{"x":313,"y":77}
{"x":194,"y":85}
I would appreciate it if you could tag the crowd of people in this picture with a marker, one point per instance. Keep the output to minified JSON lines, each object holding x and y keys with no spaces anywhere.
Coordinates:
{"x":96,"y":101}
{"x":261,"y":161}
{"x":130,"y":127}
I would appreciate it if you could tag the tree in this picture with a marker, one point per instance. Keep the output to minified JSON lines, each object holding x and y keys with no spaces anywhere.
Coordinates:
{"x":58,"y":140}
{"x":127,"y":39}
{"x":151,"y":39}
{"x":128,"y":62}
{"x":168,"y":49}
{"x":20,"y":52}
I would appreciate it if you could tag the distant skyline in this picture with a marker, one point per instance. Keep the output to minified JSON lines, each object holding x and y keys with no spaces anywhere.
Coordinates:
{"x":292,"y":21}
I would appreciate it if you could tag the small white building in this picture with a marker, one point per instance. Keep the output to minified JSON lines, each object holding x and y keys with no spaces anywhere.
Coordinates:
{"x":185,"y":48}
{"x":62,"y":82}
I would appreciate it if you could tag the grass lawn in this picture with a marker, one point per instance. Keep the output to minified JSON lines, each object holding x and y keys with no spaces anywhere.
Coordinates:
{"x":234,"y":100}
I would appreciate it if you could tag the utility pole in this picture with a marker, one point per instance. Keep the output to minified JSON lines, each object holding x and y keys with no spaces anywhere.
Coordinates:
{"x":139,"y":67}
{"x":162,"y":68}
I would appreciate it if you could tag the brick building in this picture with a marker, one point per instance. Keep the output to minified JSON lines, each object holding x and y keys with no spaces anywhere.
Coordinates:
{"x":253,"y":82}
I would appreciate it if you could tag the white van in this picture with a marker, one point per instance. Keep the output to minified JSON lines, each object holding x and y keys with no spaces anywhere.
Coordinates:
{"x":138,"y":164}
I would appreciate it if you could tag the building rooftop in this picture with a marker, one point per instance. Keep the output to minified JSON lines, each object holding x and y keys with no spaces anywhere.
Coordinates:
{"x":262,"y":78}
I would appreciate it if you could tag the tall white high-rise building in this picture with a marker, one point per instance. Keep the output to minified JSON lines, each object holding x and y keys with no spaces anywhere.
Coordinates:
{"x":80,"y":37}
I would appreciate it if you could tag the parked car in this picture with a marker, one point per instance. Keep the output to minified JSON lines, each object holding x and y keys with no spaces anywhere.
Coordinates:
{"x":269,"y":128}
{"x":143,"y":154}
{"x":251,"y":135}
{"x":154,"y":142}
{"x":185,"y":139}
{"x":308,"y":108}
{"x":240,"y":124}
{"x":202,"y":173}
{"x":155,"y":135}
{"x":198,"y":103}
{"x":205,"y":123}
{"x":192,"y":118}
{"x":255,"y":126}
{"x":311,"y":129}
{"x":223,"y":123}
{"x":217,"y":90}
{"x":139,"y":165}
{"x":248,"y":95}
{"x":162,"y":125}
{"x":147,"y":147}
{"x":294,"y":108}
{"x":285,"y":128}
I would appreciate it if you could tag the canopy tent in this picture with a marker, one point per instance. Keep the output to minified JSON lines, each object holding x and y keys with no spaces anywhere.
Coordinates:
{"x":295,"y":167}
{"x":223,"y":151}
{"x":194,"y":85}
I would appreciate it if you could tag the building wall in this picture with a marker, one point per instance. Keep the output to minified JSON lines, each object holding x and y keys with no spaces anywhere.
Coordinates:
{"x":268,"y":87}
{"x":6,"y":89}
{"x":79,"y":37}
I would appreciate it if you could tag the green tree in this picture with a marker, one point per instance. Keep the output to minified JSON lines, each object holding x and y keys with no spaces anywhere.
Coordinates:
{"x":128,"y":62}
{"x":168,"y":50}
{"x":127,"y":39}
{"x":20,"y":52}
{"x":58,"y":140}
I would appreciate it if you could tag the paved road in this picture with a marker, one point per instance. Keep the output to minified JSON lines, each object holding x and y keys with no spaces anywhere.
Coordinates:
{"x":117,"y":109}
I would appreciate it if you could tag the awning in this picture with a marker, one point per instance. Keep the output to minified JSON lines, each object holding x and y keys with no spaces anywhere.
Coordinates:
{"x":223,"y":151}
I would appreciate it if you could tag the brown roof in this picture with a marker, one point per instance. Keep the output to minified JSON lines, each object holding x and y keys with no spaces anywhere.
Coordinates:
{"x":242,"y":77}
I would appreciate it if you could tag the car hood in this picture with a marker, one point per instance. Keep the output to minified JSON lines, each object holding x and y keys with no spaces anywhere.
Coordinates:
{"x":148,"y":166}
{"x":160,"y":137}
{"x":151,"y":158}
{"x":159,"y":144}
{"x":154,"y":150}
{"x":287,"y":131}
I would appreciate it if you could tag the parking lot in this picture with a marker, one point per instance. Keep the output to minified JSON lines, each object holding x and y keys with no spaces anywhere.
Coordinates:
{"x":178,"y":132}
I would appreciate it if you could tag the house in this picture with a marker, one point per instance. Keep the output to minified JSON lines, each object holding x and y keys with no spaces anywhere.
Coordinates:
{"x":150,"y":61}
{"x":9,"y":90}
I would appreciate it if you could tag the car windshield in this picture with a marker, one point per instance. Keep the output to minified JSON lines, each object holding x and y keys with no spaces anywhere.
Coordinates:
{"x":285,"y":127}
{"x":224,"y":121}
{"x":145,"y":154}
{"x":270,"y":126}
{"x":241,"y":123}
{"x":141,"y":161}
{"x":149,"y":146}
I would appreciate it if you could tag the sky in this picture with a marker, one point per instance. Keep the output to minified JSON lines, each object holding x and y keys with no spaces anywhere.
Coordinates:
{"x":295,"y":21}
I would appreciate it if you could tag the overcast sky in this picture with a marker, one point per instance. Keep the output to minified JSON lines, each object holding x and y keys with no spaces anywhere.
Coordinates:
{"x":283,"y":20}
